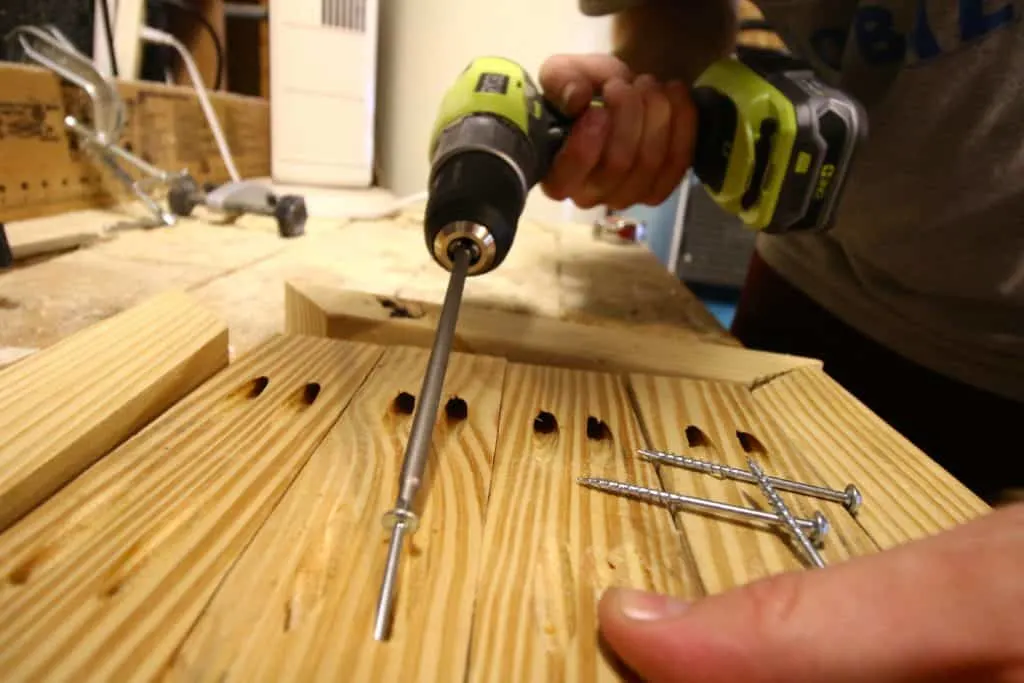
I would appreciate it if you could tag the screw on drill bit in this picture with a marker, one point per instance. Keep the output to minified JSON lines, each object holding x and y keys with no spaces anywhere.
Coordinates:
{"x":818,"y":527}
{"x":401,"y":519}
{"x":782,"y":511}
{"x":850,"y":498}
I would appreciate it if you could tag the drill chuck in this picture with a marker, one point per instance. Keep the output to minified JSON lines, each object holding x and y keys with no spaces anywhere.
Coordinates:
{"x":478,"y":188}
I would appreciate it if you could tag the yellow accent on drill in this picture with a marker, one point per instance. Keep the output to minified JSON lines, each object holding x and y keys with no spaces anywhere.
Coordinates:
{"x":462,"y":99}
{"x":803,"y":163}
{"x":756,"y":100}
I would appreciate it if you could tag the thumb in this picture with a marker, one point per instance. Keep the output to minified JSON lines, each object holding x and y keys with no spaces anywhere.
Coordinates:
{"x":947,"y":608}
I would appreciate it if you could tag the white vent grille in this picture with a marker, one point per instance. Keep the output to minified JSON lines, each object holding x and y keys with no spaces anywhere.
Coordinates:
{"x":345,"y":14}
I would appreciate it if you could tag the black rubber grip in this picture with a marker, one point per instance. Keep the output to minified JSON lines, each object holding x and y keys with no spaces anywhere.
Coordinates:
{"x":479,"y":187}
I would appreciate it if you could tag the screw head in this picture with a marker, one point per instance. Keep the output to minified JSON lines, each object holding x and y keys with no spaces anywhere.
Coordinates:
{"x":853,"y":499}
{"x":820,"y":531}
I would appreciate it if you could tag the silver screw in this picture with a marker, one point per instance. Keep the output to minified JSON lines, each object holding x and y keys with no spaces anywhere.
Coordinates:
{"x":850,"y":498}
{"x":782,"y":511}
{"x":818,"y":527}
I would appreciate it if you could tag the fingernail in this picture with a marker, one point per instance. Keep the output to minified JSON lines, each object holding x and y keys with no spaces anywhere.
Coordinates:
{"x":567,"y":95}
{"x":643,"y":606}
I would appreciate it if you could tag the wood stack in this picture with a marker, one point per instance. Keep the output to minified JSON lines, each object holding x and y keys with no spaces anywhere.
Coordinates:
{"x":169,"y":516}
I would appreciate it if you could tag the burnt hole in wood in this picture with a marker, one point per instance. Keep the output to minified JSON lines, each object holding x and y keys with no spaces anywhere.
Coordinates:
{"x":21,"y":574}
{"x":696,"y":437}
{"x":750,"y":443}
{"x":597,"y":430}
{"x":397,"y":310}
{"x":456,"y":409}
{"x":24,"y":186}
{"x":310,"y":392}
{"x":258,"y":386}
{"x":404,"y":404}
{"x":545,"y":423}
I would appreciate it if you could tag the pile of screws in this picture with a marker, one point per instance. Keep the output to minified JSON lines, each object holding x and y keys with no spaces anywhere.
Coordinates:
{"x":809,"y":534}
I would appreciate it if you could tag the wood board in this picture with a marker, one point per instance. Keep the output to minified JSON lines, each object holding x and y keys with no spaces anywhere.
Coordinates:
{"x":320,"y":309}
{"x":238,"y":536}
{"x":63,"y":408}
{"x":44,"y":171}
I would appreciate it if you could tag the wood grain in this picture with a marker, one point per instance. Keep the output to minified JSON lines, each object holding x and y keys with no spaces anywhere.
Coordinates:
{"x":731,"y":553}
{"x":551,"y":547}
{"x":104,"y":580}
{"x":907,"y":494}
{"x":299,"y":605}
{"x":320,"y":309}
{"x":64,"y":407}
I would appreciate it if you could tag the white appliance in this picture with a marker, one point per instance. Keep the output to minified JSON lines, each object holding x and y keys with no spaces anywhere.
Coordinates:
{"x":323,"y":91}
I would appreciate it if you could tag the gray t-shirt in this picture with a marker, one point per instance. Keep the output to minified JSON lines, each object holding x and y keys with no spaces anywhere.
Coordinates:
{"x":927,"y":255}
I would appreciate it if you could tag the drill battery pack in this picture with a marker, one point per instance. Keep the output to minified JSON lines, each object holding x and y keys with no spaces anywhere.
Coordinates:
{"x":775,"y":143}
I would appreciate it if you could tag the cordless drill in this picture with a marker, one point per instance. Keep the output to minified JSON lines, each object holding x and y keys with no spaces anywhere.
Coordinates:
{"x":774,"y":147}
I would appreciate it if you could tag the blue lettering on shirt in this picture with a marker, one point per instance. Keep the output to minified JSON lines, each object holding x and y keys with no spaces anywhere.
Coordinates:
{"x":879,"y":42}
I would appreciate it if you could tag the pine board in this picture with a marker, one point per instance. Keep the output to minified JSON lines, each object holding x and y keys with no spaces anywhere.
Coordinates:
{"x":908,"y":495}
{"x":299,"y":604}
{"x":106,"y":578}
{"x":731,"y":553}
{"x":63,"y":408}
{"x":550,"y":546}
{"x":326,"y":310}
{"x":239,"y":539}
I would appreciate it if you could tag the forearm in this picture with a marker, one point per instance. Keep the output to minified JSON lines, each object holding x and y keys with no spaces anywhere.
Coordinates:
{"x":673,"y":39}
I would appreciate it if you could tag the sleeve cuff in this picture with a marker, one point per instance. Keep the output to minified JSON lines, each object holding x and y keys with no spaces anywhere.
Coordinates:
{"x":597,"y":8}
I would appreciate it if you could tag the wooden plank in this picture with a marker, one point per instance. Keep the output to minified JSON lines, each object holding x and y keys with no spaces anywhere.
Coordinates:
{"x":323,"y":310}
{"x":600,"y":281}
{"x":44,"y":171}
{"x":106,"y":578}
{"x":551,"y":547}
{"x":732,"y":553}
{"x":908,"y":495}
{"x":131,"y":15}
{"x":43,"y":303}
{"x":299,"y":605}
{"x":186,"y":27}
{"x":63,"y":408}
{"x":50,"y":234}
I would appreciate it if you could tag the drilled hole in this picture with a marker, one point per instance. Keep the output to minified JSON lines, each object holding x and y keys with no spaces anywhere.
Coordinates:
{"x":597,"y":430}
{"x":310,"y":393}
{"x":695,"y":437}
{"x":397,"y":310}
{"x":456,"y":409}
{"x":750,"y":444}
{"x":258,"y":386}
{"x":404,"y":403}
{"x":545,"y":423}
{"x":21,"y":574}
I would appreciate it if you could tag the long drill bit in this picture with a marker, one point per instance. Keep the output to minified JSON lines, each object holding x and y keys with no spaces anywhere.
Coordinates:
{"x":402,"y":518}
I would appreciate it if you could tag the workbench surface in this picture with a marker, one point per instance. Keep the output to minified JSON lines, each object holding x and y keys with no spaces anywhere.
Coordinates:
{"x":239,"y":270}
